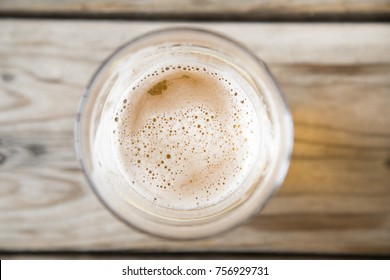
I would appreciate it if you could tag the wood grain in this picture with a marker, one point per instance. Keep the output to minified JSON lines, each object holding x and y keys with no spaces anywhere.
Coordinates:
{"x":203,"y":9}
{"x":335,"y":199}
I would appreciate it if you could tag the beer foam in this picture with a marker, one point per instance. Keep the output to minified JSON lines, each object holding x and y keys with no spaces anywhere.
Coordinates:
{"x":185,"y":136}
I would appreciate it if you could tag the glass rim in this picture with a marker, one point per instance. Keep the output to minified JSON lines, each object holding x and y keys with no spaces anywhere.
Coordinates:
{"x":79,"y":121}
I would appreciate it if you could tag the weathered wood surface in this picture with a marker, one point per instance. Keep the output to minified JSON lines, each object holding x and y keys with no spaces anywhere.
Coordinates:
{"x":204,"y":9}
{"x":336,"y":197}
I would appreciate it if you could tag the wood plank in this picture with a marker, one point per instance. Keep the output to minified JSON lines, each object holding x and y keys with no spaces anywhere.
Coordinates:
{"x":205,"y":9}
{"x":335,"y":198}
{"x":107,"y":255}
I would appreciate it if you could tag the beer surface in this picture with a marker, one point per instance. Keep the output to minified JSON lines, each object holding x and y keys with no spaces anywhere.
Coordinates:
{"x":185,"y":137}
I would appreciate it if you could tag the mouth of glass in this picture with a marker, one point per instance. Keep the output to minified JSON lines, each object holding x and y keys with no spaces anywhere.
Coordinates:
{"x":190,"y":225}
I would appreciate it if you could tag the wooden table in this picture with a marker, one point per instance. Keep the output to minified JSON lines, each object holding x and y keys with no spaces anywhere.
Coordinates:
{"x":335,"y":200}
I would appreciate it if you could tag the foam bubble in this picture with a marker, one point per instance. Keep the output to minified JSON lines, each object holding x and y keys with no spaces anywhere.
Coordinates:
{"x":185,"y":136}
